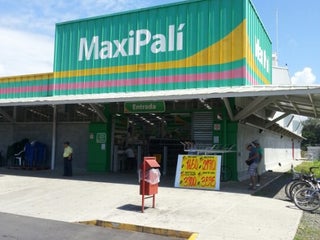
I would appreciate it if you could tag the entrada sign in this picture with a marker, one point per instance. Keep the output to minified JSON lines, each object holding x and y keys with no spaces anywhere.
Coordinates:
{"x":144,"y":107}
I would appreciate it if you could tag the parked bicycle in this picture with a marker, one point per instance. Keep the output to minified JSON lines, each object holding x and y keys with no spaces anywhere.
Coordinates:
{"x":225,"y":174}
{"x":300,"y":180}
{"x":304,"y":190}
{"x":308,"y":199}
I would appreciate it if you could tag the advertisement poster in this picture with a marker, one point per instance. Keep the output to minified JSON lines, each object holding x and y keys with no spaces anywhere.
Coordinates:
{"x":198,"y":171}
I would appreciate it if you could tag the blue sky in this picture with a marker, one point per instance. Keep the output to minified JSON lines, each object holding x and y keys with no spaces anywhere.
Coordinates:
{"x":298,"y":35}
{"x":27,"y":31}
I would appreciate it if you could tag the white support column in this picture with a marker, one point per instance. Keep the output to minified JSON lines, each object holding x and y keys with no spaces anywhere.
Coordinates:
{"x":54,"y":136}
{"x":165,"y":160}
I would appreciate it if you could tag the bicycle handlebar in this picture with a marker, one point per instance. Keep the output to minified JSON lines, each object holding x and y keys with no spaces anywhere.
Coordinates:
{"x":311,"y":169}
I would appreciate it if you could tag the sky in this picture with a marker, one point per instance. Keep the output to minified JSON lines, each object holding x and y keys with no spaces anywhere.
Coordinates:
{"x":27,"y":29}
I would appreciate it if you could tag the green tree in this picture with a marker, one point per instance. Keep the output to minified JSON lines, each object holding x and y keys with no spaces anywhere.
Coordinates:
{"x":311,"y":133}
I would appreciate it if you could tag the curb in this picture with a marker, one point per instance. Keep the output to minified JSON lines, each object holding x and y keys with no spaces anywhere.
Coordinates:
{"x":143,"y":229}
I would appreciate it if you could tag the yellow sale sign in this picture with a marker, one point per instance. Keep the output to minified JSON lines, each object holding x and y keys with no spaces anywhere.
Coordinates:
{"x":198,"y":171}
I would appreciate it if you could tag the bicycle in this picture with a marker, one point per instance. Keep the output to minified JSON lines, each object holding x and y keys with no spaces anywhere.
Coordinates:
{"x":225,"y":174}
{"x":307,"y":199}
{"x":300,"y":180}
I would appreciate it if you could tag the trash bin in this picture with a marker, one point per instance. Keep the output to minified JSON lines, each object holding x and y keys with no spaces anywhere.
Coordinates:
{"x":152,"y":179}
{"x":149,"y":178}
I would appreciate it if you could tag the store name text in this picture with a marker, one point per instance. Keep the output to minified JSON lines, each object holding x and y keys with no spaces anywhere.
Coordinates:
{"x":133,"y":45}
{"x":261,"y":55}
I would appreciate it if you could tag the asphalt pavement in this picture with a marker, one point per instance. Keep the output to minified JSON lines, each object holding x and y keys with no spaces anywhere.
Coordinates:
{"x":35,"y":200}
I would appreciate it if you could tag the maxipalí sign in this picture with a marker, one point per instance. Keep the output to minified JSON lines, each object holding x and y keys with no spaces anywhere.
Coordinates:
{"x":136,"y":42}
{"x":187,"y":45}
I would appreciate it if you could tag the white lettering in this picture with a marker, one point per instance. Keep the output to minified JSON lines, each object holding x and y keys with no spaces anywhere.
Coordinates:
{"x":144,"y":106}
{"x":261,"y":55}
{"x":120,"y":47}
{"x":106,"y":50}
{"x":142,"y":42}
{"x":160,"y":44}
{"x":88,"y":52}
{"x":180,"y":37}
{"x":131,"y":43}
{"x":171,"y":38}
{"x":136,"y":42}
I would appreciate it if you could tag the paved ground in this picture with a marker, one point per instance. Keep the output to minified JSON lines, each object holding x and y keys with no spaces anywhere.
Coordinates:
{"x":29,"y":228}
{"x":231,"y":213}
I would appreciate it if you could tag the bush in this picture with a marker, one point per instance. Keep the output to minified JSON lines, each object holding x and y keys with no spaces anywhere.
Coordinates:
{"x":305,"y":166}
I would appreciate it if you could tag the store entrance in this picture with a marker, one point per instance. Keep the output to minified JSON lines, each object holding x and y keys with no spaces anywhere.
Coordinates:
{"x":149,"y":134}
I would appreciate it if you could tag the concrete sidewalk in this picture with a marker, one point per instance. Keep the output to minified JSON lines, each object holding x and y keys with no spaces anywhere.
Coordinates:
{"x":232,"y":213}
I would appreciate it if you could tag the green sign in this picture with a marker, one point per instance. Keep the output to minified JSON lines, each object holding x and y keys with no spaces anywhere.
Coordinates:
{"x":156,"y":49}
{"x":101,"y":137}
{"x":144,"y":107}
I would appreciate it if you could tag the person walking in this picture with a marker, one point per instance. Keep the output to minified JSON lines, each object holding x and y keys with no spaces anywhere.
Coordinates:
{"x":67,"y":159}
{"x":252,"y":162}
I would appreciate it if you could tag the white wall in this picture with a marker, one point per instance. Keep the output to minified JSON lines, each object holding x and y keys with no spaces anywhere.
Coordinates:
{"x":314,"y":152}
{"x":75,"y":133}
{"x":277,"y":151}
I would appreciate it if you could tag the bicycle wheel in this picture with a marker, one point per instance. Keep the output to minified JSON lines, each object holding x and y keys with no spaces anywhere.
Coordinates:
{"x":296,"y":186}
{"x":288,"y":186}
{"x":307,"y":199}
{"x":225,"y":174}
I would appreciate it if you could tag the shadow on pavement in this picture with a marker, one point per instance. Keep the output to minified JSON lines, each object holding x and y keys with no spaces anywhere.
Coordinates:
{"x":273,"y":188}
{"x":271,"y":182}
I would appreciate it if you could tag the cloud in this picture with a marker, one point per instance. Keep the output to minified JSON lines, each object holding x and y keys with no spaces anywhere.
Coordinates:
{"x":27,"y":29}
{"x":25,"y":53}
{"x":304,"y":77}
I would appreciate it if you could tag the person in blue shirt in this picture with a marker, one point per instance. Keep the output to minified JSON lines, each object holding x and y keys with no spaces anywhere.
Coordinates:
{"x":252,"y":161}
{"x":259,"y":167}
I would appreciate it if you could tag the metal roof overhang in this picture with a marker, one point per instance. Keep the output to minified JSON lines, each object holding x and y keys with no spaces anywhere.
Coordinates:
{"x":305,"y":95}
{"x":299,"y":100}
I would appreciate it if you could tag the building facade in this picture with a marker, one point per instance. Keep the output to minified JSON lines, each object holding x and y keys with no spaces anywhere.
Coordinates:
{"x":144,"y":78}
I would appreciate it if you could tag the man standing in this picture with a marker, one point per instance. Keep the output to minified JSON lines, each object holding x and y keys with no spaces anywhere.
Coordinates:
{"x":131,"y":159}
{"x":260,"y":155}
{"x":252,"y":161}
{"x":67,"y":159}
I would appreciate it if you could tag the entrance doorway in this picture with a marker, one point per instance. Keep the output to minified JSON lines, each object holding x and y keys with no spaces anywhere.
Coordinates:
{"x":161,"y":133}
{"x":150,"y":134}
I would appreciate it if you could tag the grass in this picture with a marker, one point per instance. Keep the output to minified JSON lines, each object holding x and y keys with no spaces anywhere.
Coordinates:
{"x":304,"y":167}
{"x":308,"y":228}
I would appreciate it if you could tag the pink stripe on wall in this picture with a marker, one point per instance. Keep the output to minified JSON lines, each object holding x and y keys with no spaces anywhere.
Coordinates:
{"x":43,"y":88}
{"x":251,"y":79}
{"x":215,"y":76}
{"x":211,"y":76}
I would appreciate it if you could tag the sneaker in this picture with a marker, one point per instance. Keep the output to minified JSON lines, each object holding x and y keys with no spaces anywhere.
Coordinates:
{"x":250,"y":184}
{"x":258,"y":185}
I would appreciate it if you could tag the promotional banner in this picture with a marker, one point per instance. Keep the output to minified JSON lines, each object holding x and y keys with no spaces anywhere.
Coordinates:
{"x":198,"y":171}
